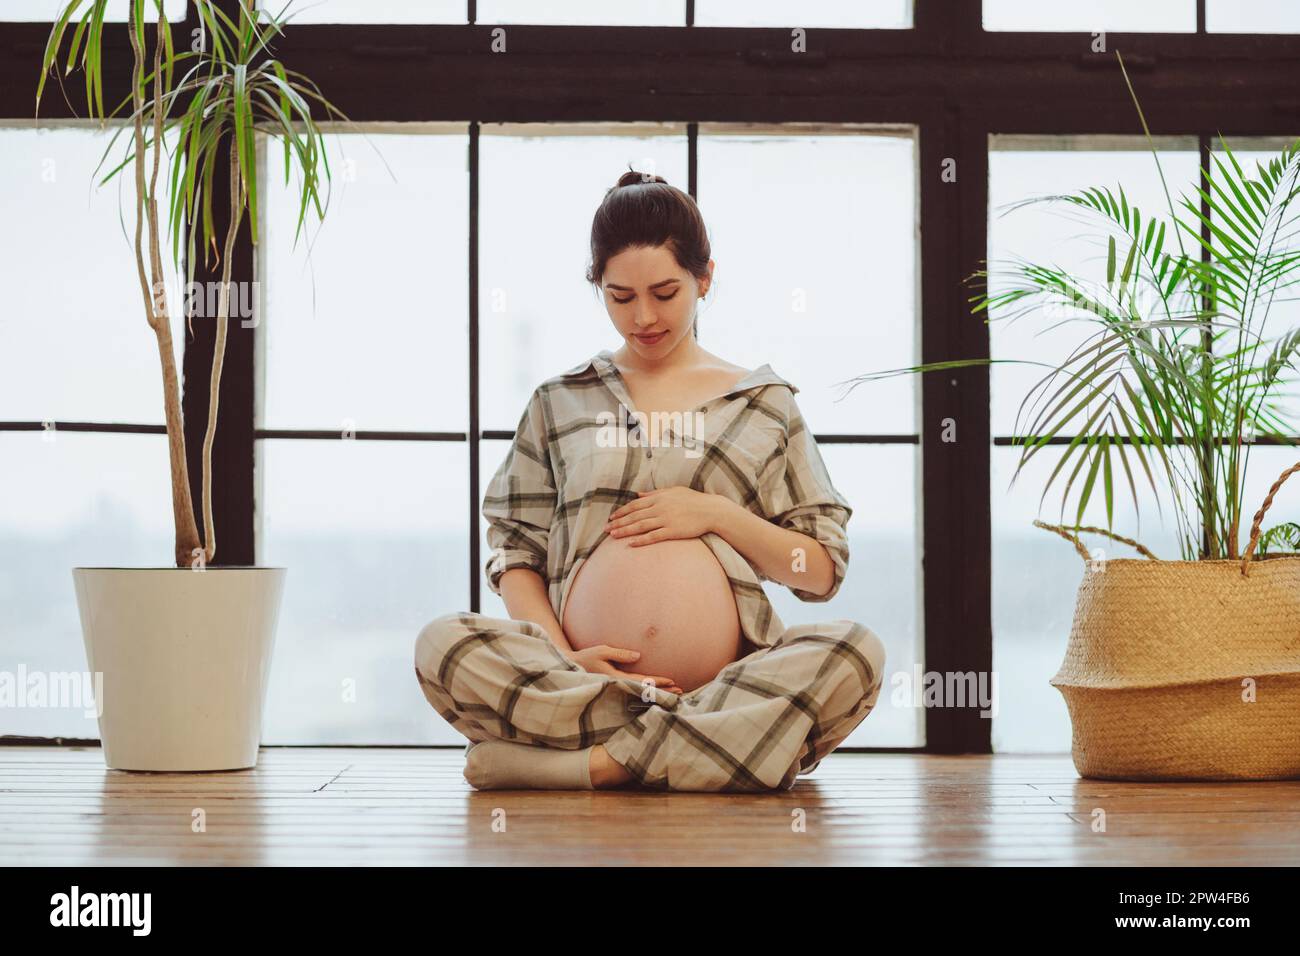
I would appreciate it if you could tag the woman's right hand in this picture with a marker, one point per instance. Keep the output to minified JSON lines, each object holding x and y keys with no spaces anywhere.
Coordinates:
{"x":600,"y":659}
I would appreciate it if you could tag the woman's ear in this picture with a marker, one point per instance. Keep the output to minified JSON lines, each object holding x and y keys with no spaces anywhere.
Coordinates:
{"x":706,"y":281}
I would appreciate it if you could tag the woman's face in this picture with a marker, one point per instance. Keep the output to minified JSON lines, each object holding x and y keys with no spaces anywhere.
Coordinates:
{"x":651,"y":299}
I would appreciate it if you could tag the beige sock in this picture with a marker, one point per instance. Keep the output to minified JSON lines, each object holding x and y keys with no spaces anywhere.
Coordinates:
{"x":503,"y":765}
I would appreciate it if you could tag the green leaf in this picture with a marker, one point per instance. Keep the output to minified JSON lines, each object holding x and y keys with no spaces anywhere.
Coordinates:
{"x":1107,"y":482}
{"x":94,"y":69}
{"x":1128,"y":265}
{"x":1086,"y":493}
{"x":52,"y":44}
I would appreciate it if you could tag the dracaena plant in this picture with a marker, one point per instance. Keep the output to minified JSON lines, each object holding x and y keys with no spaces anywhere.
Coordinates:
{"x":210,"y":103}
{"x":1177,"y":370}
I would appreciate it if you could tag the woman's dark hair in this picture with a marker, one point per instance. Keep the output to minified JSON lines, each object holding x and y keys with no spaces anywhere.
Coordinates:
{"x":643,"y":210}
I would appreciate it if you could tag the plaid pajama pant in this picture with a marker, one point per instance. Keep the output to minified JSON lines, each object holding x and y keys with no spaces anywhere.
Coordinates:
{"x":764,"y":720}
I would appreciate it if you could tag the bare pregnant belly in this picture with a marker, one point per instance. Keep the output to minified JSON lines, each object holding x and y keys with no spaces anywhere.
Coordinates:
{"x":669,"y":600}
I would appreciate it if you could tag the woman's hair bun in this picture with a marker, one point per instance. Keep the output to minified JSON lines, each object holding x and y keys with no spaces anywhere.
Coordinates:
{"x":634,"y":178}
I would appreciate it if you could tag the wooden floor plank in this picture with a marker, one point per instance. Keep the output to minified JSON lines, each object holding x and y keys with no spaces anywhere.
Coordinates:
{"x":412,"y":807}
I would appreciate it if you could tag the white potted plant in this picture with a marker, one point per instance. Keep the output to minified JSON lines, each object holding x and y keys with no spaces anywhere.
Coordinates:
{"x":184,"y":650}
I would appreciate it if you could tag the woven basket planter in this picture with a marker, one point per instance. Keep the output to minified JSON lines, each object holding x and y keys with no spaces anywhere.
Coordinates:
{"x":1164,"y":656}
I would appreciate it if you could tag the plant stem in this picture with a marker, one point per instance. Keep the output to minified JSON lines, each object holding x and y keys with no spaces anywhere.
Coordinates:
{"x":219,"y":346}
{"x":156,"y":308}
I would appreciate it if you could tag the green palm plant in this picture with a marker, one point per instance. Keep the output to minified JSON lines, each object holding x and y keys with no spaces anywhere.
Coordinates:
{"x":1178,"y":374}
{"x":212,"y":101}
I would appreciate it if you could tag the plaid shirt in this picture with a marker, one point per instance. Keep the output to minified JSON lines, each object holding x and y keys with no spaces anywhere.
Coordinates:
{"x":581,"y":450}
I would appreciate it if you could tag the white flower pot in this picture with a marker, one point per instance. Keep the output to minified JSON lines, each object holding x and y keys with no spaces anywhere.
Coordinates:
{"x":185,"y":657}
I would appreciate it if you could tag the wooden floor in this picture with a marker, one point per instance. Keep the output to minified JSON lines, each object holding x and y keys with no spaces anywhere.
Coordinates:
{"x":60,"y":806}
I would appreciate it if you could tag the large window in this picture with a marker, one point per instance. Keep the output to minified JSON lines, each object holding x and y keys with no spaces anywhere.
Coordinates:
{"x":394,"y":347}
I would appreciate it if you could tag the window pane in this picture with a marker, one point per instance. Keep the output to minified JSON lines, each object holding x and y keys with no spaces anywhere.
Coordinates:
{"x":369,"y":11}
{"x":75,"y":344}
{"x":1262,"y":465}
{"x":883,"y":14}
{"x":375,"y":535}
{"x":1252,"y":16}
{"x":1036,"y":576}
{"x":67,"y":500}
{"x":883,"y":587}
{"x":369,"y":329}
{"x":801,"y":281}
{"x":1275,"y":314}
{"x":634,"y":13}
{"x":1158,"y":16}
{"x":1060,"y":235}
{"x":51,"y":10}
{"x":537,"y":314}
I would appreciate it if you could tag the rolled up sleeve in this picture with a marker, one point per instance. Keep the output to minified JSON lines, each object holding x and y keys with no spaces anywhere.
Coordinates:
{"x":798,"y":494}
{"x":519,"y":502}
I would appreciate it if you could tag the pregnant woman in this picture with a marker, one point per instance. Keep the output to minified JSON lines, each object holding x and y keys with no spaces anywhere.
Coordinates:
{"x":647,"y":494}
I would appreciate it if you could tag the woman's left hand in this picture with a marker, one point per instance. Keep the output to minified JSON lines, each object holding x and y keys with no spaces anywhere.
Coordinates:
{"x":665,"y":513}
